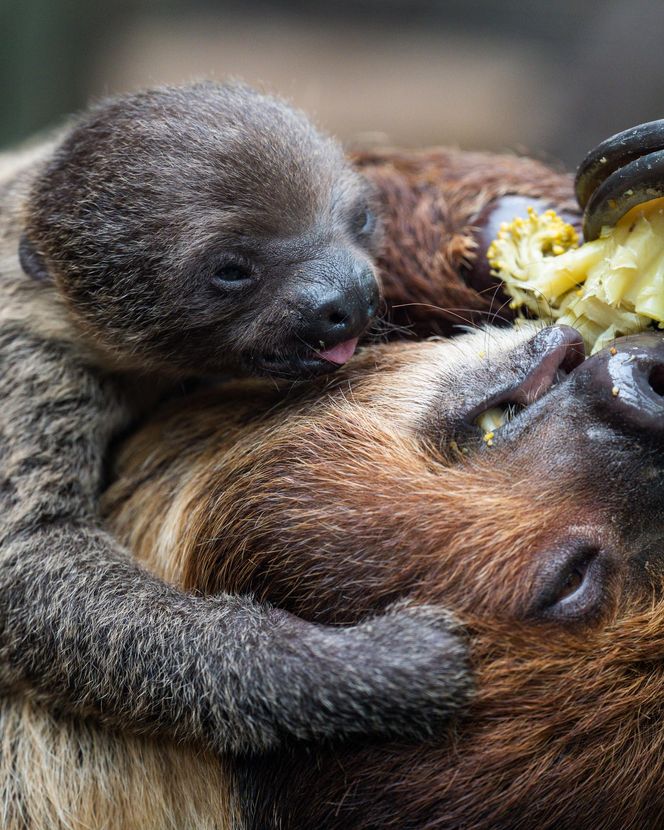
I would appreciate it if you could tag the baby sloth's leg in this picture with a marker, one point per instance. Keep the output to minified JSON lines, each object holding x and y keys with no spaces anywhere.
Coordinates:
{"x":84,"y":629}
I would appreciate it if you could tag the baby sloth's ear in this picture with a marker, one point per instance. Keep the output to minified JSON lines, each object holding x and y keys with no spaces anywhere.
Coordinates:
{"x":32,"y":262}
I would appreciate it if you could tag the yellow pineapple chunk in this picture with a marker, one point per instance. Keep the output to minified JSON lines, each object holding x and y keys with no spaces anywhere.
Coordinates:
{"x":606,"y":288}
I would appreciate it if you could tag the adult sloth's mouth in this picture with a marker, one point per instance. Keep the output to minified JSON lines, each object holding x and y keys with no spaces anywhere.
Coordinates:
{"x":561,"y":351}
{"x":625,"y":381}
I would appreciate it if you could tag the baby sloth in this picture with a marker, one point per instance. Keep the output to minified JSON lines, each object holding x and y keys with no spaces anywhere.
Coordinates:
{"x":178,"y":232}
{"x":203,"y":230}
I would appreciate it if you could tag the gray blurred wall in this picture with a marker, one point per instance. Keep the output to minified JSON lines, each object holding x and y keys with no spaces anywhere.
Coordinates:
{"x":550,"y":79}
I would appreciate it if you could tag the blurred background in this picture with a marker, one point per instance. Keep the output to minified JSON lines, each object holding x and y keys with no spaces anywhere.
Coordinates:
{"x":548,"y":78}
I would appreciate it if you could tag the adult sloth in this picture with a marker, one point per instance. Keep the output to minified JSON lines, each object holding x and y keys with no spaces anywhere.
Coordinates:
{"x":556,"y":572}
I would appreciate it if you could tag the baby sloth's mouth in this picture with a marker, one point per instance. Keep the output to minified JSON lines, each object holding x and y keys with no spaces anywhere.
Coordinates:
{"x":324,"y":331}
{"x":341,"y":353}
{"x":306,"y":361}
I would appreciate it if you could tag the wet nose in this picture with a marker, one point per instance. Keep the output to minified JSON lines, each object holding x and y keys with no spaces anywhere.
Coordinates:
{"x":625,"y":382}
{"x":334,"y":314}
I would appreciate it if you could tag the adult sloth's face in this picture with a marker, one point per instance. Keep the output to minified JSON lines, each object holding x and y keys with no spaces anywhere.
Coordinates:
{"x":545,"y":538}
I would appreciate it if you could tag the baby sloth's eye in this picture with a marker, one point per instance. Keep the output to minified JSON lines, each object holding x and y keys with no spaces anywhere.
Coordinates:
{"x":231,"y":273}
{"x":364,"y":222}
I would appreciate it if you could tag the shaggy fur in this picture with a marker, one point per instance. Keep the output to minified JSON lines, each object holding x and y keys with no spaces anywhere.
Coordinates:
{"x":149,"y":198}
{"x":565,"y":730}
{"x":441,"y":208}
{"x":57,"y":774}
{"x":127,"y":670}
{"x":83,"y":628}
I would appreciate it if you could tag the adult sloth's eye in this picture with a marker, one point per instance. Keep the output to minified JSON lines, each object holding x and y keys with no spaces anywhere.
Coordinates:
{"x":573,"y":582}
{"x":232,"y":273}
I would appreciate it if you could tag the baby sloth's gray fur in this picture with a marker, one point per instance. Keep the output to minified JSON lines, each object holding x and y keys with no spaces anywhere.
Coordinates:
{"x":121,"y":222}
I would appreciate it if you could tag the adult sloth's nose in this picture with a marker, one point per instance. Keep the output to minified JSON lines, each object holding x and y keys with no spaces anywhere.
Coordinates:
{"x":625,"y":383}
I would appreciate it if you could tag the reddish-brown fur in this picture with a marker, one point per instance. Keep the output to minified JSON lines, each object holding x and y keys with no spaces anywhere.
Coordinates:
{"x":433,"y":203}
{"x":262,"y":491}
{"x":565,"y":730}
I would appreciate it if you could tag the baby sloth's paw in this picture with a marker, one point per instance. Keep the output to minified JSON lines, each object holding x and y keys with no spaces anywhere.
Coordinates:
{"x":401,"y":674}
{"x":419,"y":660}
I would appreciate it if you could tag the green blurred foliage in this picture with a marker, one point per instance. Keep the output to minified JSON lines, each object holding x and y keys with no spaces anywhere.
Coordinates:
{"x":48,"y":48}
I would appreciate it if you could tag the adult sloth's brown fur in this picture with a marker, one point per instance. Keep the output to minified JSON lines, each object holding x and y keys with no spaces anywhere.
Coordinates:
{"x":557,"y":574}
{"x":441,"y":208}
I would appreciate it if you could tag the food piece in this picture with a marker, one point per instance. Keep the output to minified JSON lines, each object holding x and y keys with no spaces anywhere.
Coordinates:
{"x":489,"y":421}
{"x":605,"y":288}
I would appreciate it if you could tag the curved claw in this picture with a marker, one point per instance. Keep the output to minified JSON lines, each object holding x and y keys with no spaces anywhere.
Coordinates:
{"x":638,"y":181}
{"x":614,"y":153}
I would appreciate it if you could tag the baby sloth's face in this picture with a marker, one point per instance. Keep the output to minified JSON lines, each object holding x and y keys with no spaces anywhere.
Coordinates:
{"x":208,"y":229}
{"x":546,"y":539}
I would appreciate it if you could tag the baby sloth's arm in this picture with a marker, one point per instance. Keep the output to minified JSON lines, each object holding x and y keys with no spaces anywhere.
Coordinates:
{"x":84,"y":629}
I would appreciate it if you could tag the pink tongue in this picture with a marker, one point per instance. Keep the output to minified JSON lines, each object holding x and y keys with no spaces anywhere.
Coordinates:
{"x":341,"y":353}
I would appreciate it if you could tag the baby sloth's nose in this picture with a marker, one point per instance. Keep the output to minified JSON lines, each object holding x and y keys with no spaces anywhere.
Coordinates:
{"x":626,"y":382}
{"x":335,"y":314}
